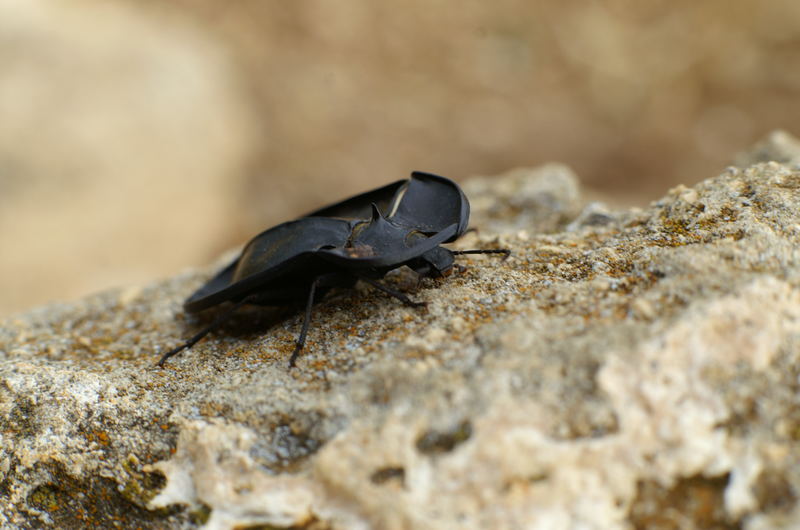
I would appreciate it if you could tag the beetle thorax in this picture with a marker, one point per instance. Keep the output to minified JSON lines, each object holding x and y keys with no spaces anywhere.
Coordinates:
{"x":378,"y":236}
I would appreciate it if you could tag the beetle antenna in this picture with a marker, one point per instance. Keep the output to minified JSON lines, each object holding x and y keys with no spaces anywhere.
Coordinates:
{"x":506,"y":252}
{"x":219,"y":320}
{"x":301,"y":340}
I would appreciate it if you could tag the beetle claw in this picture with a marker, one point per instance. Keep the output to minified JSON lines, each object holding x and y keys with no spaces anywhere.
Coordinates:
{"x":170,"y":353}
{"x":295,"y":354}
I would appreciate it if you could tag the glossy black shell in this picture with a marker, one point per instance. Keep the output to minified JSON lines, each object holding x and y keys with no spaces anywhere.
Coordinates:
{"x":364,"y":236}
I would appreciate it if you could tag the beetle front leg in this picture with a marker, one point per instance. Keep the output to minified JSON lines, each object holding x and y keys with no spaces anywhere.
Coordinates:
{"x":333,"y":279}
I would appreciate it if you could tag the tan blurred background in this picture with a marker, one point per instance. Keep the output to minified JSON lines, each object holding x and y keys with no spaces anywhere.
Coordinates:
{"x":138,"y":138}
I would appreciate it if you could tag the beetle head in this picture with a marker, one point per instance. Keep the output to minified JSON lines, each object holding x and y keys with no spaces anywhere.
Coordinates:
{"x":433,"y":263}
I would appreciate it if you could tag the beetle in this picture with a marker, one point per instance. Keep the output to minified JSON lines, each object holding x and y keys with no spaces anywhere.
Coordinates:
{"x":360,"y":238}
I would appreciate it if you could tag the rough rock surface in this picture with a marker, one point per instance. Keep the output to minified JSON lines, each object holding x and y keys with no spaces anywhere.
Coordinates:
{"x":623,"y":369}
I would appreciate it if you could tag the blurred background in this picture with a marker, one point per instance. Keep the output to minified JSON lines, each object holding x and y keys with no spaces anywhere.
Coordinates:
{"x":139,"y":138}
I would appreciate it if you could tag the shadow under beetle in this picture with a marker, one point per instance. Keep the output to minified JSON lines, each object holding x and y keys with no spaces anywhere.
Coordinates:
{"x":360,"y":238}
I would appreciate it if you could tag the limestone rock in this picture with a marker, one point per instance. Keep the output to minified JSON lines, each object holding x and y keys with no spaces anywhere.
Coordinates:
{"x":535,"y":200}
{"x":778,"y":146}
{"x":639,"y":369}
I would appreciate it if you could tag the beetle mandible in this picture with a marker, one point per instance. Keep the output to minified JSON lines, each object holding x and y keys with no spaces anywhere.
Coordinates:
{"x":360,"y":238}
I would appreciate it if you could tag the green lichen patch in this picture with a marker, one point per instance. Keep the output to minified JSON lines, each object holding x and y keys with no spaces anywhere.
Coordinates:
{"x":95,"y":502}
{"x":314,"y":524}
{"x":141,"y":486}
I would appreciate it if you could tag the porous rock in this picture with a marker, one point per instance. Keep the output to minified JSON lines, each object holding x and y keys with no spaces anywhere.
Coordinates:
{"x":777,"y":146}
{"x":639,"y":370}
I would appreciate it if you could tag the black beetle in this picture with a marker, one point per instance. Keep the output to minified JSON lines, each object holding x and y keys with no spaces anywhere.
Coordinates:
{"x":360,"y":238}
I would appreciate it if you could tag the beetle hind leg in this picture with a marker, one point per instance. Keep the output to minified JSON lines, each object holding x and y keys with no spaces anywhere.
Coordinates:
{"x":218,"y":321}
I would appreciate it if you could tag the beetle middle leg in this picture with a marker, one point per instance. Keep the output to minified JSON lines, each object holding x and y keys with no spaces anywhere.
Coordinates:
{"x":506,"y":252}
{"x":391,"y":292}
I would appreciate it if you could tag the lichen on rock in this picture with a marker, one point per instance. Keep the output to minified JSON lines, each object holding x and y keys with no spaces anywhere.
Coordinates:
{"x":623,"y":368}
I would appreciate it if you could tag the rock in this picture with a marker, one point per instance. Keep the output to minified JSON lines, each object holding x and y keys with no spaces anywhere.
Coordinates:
{"x":637,"y":370}
{"x":535,"y":200}
{"x":778,"y":146}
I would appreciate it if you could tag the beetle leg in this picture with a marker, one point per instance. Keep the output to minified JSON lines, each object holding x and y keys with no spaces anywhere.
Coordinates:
{"x":219,"y":320}
{"x":391,"y":292}
{"x":301,"y":340}
{"x":506,"y":252}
